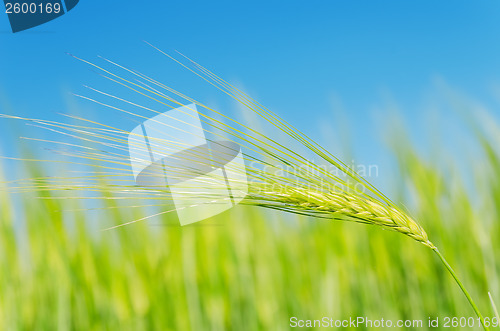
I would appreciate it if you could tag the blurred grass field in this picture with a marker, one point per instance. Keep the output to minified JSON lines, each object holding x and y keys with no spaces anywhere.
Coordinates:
{"x":252,"y":269}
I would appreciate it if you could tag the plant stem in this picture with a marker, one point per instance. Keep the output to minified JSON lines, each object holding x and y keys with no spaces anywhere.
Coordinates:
{"x":494,"y":307}
{"x":452,"y":272}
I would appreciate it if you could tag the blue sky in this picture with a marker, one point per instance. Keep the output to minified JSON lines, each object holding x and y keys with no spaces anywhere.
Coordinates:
{"x":295,"y":57}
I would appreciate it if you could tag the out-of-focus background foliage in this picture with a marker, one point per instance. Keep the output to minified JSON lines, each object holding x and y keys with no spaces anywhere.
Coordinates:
{"x":250,"y":269}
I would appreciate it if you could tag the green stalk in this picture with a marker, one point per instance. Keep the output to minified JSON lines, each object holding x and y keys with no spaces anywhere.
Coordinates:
{"x":467,"y":295}
{"x":495,"y":310}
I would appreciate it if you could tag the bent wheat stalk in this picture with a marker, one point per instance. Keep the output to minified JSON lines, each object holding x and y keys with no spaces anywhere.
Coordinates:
{"x":341,"y":206}
{"x":279,"y":177}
